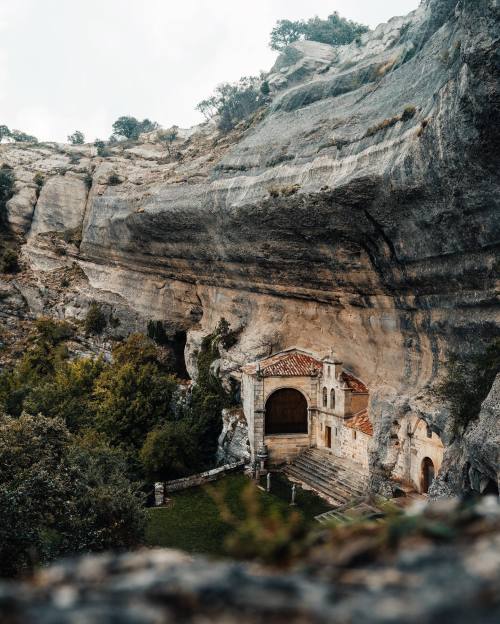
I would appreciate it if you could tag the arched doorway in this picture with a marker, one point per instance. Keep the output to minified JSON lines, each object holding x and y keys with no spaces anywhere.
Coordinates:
{"x":427,"y":474}
{"x":286,"y":412}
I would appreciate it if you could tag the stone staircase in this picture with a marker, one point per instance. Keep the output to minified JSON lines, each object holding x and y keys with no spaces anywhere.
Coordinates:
{"x":338,"y":480}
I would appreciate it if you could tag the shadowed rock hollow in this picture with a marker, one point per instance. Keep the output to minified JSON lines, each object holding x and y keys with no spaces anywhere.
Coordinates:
{"x":358,"y":211}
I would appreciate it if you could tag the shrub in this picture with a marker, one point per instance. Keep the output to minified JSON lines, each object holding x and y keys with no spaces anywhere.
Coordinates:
{"x":6,"y":190}
{"x":9,"y":261}
{"x":77,"y":138}
{"x":168,"y":137}
{"x":334,"y":30}
{"x":408,"y":113}
{"x":4,"y":132}
{"x":22,"y":137}
{"x":101,"y":148}
{"x":114,"y":180}
{"x":131,"y":128}
{"x":233,"y":102}
{"x":95,"y":321}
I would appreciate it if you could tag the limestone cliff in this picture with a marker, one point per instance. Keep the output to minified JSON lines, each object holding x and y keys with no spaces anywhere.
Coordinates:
{"x":358,"y":210}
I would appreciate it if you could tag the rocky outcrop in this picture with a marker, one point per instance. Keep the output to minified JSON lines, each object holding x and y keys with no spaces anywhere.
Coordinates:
{"x":449,"y":573}
{"x":358,"y":210}
{"x":233,"y":443}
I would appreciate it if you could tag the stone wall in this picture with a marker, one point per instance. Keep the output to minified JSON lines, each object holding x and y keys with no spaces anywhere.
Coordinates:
{"x":163,"y":488}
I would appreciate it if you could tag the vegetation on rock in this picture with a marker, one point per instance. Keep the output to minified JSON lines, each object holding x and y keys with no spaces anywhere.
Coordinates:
{"x":334,"y":30}
{"x":233,"y":102}
{"x":77,"y":138}
{"x":131,"y":128}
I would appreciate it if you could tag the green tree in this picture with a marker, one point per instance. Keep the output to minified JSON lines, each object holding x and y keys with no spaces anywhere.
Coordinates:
{"x":95,"y":320}
{"x":77,"y":138}
{"x":168,"y":137}
{"x":334,"y":30}
{"x":6,"y":190}
{"x":4,"y":132}
{"x":131,"y":128}
{"x":170,"y":452}
{"x":133,"y":396}
{"x":233,"y":102}
{"x":286,"y":32}
{"x":101,"y":147}
{"x":59,"y":495}
{"x":21,"y":137}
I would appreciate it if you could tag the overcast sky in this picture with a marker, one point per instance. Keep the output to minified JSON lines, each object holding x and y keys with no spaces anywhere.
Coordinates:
{"x":80,"y":64}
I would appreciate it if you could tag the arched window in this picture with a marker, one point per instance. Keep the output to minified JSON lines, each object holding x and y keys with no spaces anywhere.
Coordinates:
{"x":332,"y":399}
{"x":325,"y":397}
{"x":286,"y":412}
{"x":329,"y":371}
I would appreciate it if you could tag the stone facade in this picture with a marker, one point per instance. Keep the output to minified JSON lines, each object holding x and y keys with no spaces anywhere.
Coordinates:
{"x":418,"y":445}
{"x":337,"y":403}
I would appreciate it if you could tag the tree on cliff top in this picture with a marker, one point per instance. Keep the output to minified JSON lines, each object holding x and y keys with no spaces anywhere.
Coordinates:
{"x":131,"y":128}
{"x":334,"y":30}
{"x":77,"y":138}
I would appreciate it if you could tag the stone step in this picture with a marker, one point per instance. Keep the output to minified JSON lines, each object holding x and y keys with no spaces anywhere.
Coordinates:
{"x":341,"y":485}
{"x":336,"y":489}
{"x":322,"y":489}
{"x":335,"y":478}
{"x":349,"y":479}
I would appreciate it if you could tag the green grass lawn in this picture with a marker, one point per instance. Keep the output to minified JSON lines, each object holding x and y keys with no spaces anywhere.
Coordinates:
{"x":192,"y":520}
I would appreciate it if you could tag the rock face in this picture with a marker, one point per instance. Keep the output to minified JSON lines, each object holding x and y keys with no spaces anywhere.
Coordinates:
{"x":358,"y":211}
{"x":423,"y":580}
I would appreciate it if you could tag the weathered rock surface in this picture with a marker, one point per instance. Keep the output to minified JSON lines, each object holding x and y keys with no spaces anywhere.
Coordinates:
{"x":359,"y":211}
{"x":233,"y":444}
{"x":452,"y":578}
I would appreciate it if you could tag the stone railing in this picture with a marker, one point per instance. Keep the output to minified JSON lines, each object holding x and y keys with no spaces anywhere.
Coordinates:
{"x":163,"y":488}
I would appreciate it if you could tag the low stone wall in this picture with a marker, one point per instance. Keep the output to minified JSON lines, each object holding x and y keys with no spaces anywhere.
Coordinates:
{"x":175,"y":485}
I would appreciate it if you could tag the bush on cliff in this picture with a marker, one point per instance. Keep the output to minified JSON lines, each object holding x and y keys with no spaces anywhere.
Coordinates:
{"x":334,"y":30}
{"x":61,"y":495}
{"x":233,"y":102}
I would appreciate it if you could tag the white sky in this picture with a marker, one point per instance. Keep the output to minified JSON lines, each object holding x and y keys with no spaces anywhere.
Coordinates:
{"x":80,"y":64}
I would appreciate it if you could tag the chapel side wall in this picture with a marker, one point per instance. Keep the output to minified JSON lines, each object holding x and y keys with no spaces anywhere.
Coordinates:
{"x":358,"y":402}
{"x":355,"y":448}
{"x":413,"y":449}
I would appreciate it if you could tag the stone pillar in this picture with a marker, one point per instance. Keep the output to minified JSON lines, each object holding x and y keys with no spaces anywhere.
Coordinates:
{"x":258,"y":416}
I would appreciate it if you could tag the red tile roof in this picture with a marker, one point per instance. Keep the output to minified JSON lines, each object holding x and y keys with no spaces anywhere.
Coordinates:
{"x":288,"y":364}
{"x":353,"y":383}
{"x":361,"y":422}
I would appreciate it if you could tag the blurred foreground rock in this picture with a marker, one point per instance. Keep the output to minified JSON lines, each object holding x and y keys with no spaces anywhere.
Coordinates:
{"x":445,"y":569}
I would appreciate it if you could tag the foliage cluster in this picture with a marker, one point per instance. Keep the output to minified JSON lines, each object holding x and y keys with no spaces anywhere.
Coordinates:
{"x":130,"y":127}
{"x":334,"y":30}
{"x":61,"y":493}
{"x":77,"y":138}
{"x":233,"y":102}
{"x":6,"y":190}
{"x":16,"y":135}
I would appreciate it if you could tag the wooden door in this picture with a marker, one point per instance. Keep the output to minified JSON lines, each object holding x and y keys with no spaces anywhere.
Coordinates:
{"x":328,"y":437}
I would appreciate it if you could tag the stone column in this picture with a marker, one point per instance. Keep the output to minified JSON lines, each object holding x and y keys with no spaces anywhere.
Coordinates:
{"x":258,"y":415}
